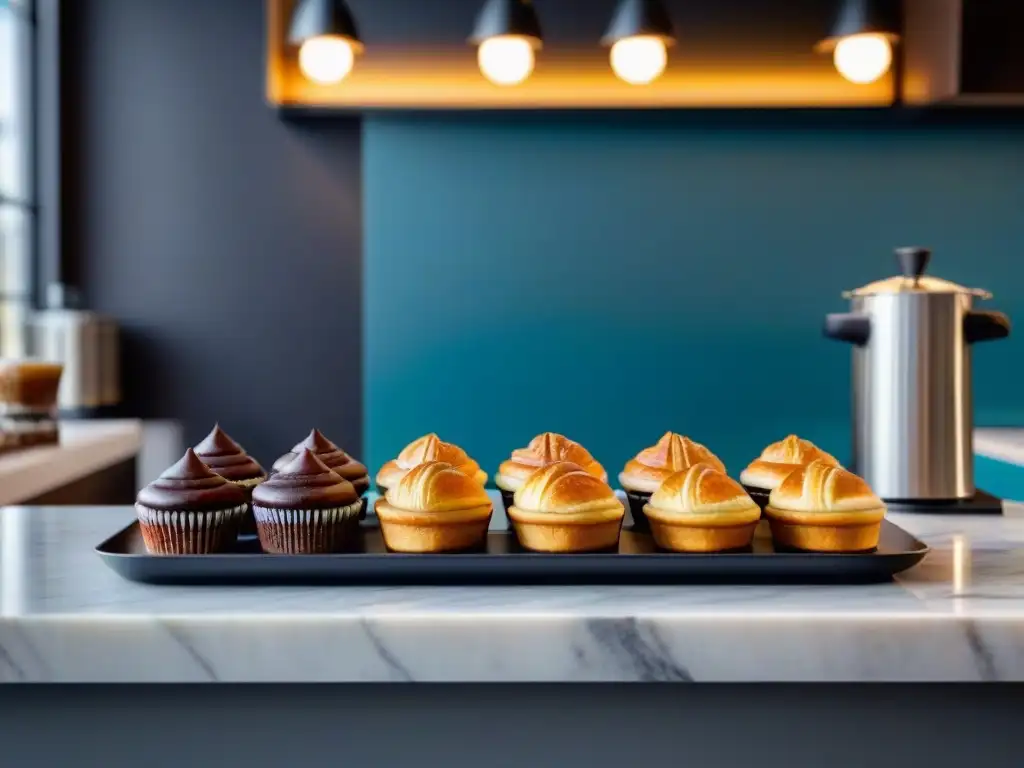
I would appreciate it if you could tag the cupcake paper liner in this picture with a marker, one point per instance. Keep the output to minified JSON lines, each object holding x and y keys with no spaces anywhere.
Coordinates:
{"x":183,"y":532}
{"x":553,"y":537}
{"x":306,"y":531}
{"x":362,"y":510}
{"x":759,"y":495}
{"x":507,"y":499}
{"x":247,"y":526}
{"x":637,"y":500}
{"x":361,"y":490}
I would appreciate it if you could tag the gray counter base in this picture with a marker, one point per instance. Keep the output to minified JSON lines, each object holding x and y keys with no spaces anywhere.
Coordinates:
{"x":838,"y":726}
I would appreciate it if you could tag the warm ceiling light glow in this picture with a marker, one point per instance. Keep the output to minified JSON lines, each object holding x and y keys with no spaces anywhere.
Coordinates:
{"x":506,"y":59}
{"x":640,"y":59}
{"x":863,"y":58}
{"x":326,"y":59}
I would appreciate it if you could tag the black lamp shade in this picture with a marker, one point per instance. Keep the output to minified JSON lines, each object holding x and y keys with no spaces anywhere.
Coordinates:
{"x":640,"y":17}
{"x":858,"y":17}
{"x":320,"y":18}
{"x":507,"y":17}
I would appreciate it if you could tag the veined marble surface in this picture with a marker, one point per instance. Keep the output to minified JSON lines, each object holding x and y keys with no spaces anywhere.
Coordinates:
{"x":64,"y":617}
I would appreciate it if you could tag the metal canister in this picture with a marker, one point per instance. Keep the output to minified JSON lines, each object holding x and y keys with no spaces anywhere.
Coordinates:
{"x":913,"y":416}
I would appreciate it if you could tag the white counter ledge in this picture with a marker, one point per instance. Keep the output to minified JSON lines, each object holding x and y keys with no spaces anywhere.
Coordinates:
{"x":85,"y":447}
{"x":1000,"y":443}
{"x":64,"y":616}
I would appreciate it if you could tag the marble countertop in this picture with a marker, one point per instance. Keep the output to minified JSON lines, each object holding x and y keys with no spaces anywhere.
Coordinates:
{"x":64,"y":617}
{"x":85,"y":447}
{"x":1002,"y":443}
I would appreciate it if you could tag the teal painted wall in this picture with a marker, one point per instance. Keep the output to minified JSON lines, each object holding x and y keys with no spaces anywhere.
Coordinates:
{"x":614,"y":277}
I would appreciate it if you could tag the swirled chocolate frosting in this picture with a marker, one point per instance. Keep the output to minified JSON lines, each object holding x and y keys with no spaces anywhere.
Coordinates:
{"x":227,"y":458}
{"x":331,"y":455}
{"x":190,"y":485}
{"x":304,"y":483}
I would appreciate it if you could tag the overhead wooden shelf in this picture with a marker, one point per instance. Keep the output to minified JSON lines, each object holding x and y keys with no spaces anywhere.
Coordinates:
{"x":731,"y":54}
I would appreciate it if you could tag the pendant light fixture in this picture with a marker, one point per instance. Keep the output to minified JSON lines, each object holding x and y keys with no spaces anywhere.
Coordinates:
{"x":639,"y":35}
{"x":507,"y":35}
{"x":328,"y":40}
{"x":862,"y":39}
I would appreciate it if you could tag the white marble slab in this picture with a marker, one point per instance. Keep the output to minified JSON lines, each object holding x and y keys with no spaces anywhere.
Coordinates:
{"x":1001,"y":443}
{"x":65,"y":617}
{"x":85,"y":447}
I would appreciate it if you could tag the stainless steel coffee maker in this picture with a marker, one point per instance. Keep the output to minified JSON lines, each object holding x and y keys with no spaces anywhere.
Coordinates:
{"x":913,"y":415}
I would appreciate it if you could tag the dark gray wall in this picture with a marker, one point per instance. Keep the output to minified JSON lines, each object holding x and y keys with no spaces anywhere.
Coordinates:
{"x":226,"y":241}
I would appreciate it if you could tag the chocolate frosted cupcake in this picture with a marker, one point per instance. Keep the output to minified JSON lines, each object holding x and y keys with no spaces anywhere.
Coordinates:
{"x":776,"y":462}
{"x":546,"y":448}
{"x":336,"y":459}
{"x":229,"y":460}
{"x":305,"y":508}
{"x":190,"y":510}
{"x":420,"y":451}
{"x":643,"y":474}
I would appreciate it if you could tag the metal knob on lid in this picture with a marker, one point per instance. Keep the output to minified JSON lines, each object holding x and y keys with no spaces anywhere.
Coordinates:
{"x":913,"y":261}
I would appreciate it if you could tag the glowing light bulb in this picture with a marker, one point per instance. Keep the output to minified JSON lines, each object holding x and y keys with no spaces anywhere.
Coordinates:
{"x":863,"y":58}
{"x":639,"y":60}
{"x":506,"y":59}
{"x":326,"y":59}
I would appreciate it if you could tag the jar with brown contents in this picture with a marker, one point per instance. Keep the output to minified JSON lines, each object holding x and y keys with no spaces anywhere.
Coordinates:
{"x":28,"y":402}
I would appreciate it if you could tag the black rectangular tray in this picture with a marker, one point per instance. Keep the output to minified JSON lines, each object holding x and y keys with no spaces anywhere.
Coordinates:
{"x":505,"y":562}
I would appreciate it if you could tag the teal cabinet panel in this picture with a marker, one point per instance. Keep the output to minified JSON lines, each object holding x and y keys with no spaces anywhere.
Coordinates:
{"x":999,"y":477}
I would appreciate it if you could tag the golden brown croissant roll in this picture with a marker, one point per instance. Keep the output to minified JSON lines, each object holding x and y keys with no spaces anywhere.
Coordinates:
{"x":545,"y":449}
{"x":434,"y":508}
{"x":428,"y":448}
{"x":703,"y":491}
{"x":563,"y":508}
{"x":564,"y":488}
{"x":702,"y":510}
{"x":779,"y":459}
{"x":672,"y":453}
{"x":825,"y":508}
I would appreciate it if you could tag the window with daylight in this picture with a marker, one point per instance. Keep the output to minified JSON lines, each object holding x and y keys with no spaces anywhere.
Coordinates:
{"x":17,"y":172}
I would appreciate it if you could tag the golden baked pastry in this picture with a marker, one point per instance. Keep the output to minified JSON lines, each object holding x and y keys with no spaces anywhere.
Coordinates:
{"x":428,"y":448}
{"x":546,"y":448}
{"x":825,"y":508}
{"x":672,"y":453}
{"x":563,"y":508}
{"x":701,"y":509}
{"x":434,"y":507}
{"x":779,"y":459}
